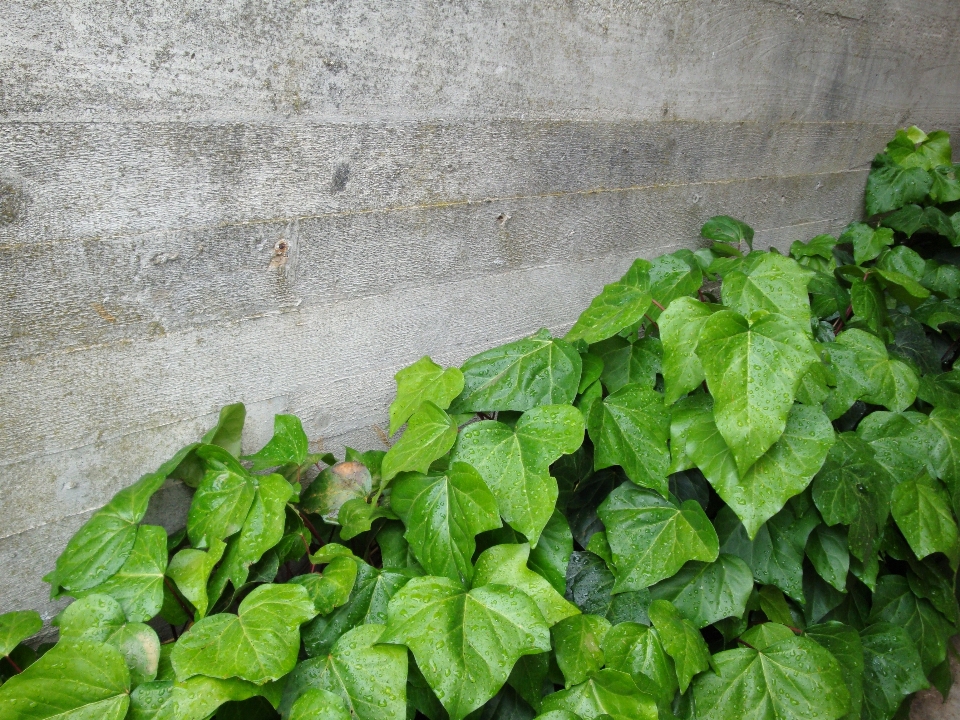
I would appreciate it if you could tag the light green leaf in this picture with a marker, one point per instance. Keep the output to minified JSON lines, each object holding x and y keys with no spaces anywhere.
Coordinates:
{"x":867,"y":242}
{"x":335,"y":486}
{"x":190,"y":569}
{"x":794,"y":679}
{"x":552,"y":553}
{"x":914,"y":148}
{"x":771,"y":282}
{"x":443,"y":514}
{"x":944,"y":424}
{"x":890,"y":186}
{"x":944,"y":185}
{"x":843,"y":642}
{"x":429,"y":435}
{"x":101,"y":546}
{"x":592,"y":369}
{"x":651,"y":538}
{"x":895,"y":603}
{"x":507,"y":565}
{"x":627,"y":362}
{"x":98,"y":685}
{"x":219,"y":506}
{"x":578,"y":644}
{"x":862,"y":358}
{"x":630,"y":428}
{"x":680,"y":325}
{"x":317,"y":704}
{"x":423,"y":381}
{"x":682,"y":641}
{"x":465,"y":642}
{"x":332,"y":588}
{"x":368,"y":676}
{"x":753,"y":371}
{"x":608,"y":694}
{"x":619,"y":305}
{"x":289,"y":444}
{"x":723,"y":228}
{"x":193,"y":699}
{"x":17,"y":626}
{"x":704,"y":593}
{"x":820,"y":246}
{"x":921,"y":508}
{"x":229,"y":428}
{"x":515,"y":462}
{"x":636,"y":650}
{"x":537,"y":370}
{"x":891,"y":670}
{"x":827,"y":550}
{"x":258,"y":644}
{"x":672,"y":277}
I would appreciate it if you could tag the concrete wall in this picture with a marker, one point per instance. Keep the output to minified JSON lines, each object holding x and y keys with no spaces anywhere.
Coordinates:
{"x":447,"y":175}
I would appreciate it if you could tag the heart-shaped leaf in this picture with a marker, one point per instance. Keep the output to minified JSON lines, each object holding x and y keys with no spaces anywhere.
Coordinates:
{"x":194,"y":699}
{"x":895,"y":603}
{"x":771,"y":282}
{"x":890,"y":186}
{"x":316,"y":704}
{"x":429,"y":435}
{"x":17,"y":626}
{"x":619,"y":305}
{"x":680,"y":326}
{"x":626,"y":363}
{"x":672,"y":277}
{"x":636,"y":649}
{"x":289,"y":445}
{"x":682,"y":641}
{"x":827,"y":550}
{"x":220,"y":505}
{"x":891,"y":670}
{"x":843,"y":642}
{"x":190,"y":569}
{"x":465,"y":642}
{"x":420,"y":382}
{"x":578,"y":646}
{"x":609,"y":693}
{"x":921,"y":508}
{"x":704,"y":593}
{"x":335,"y":486}
{"x":332,"y":588}
{"x":725,"y":229}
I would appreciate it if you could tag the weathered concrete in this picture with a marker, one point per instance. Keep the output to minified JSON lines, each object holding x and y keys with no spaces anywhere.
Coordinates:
{"x":446,"y":176}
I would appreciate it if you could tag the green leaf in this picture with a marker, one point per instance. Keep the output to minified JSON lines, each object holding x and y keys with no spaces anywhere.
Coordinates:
{"x":753,"y":372}
{"x":672,"y":277}
{"x":76,"y":680}
{"x":220,"y":506}
{"x":771,"y":282}
{"x":619,"y":305}
{"x":680,"y":326}
{"x":935,"y":312}
{"x":368,"y":676}
{"x":866,"y":299}
{"x":317,"y":704}
{"x":507,"y":565}
{"x":704,"y":593}
{"x":941,"y":390}
{"x":895,"y":603}
{"x":429,"y":435}
{"x":944,"y":186}
{"x":589,"y":587}
{"x":867,"y":242}
{"x":367,"y":603}
{"x":443,"y":514}
{"x":515,"y":462}
{"x":608,"y":694}
{"x":258,"y":644}
{"x":552,"y":553}
{"x":942,"y":278}
{"x":843,"y":642}
{"x":627,"y":362}
{"x":101,"y":546}
{"x":190,"y":569}
{"x":774,"y":605}
{"x":630,"y":428}
{"x":335,"y":486}
{"x":914,"y":148}
{"x":17,"y":626}
{"x":723,"y":228}
{"x":289,"y":444}
{"x":820,"y":246}
{"x":827,"y":550}
{"x":332,"y":588}
{"x":891,"y":670}
{"x":636,"y":650}
{"x":423,"y":381}
{"x":944,"y":453}
{"x":537,"y":370}
{"x":465,"y":642}
{"x":862,"y":360}
{"x":578,"y":644}
{"x":682,"y":641}
{"x":229,"y":428}
{"x":762,"y":636}
{"x":592,"y":369}
{"x":651,"y":538}
{"x":793,"y":679}
{"x":138,"y":584}
{"x":921,"y":508}
{"x":194,"y":699}
{"x":828,"y":298}
{"x":890,"y":186}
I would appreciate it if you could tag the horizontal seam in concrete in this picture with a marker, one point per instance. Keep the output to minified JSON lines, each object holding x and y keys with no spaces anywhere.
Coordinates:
{"x":439,"y":205}
{"x":41,"y":525}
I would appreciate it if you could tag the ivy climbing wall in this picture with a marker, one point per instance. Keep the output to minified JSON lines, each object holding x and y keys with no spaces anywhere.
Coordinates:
{"x":283,"y":203}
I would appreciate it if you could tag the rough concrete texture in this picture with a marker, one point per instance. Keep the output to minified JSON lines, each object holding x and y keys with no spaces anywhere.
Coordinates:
{"x":444,"y":175}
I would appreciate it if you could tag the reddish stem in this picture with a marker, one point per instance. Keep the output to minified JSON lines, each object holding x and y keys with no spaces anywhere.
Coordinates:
{"x":652,"y":321}
{"x":657,"y":304}
{"x":173,"y":591}
{"x":306,"y":546}
{"x":312,"y":529}
{"x":15,"y":666}
{"x":744,"y":642}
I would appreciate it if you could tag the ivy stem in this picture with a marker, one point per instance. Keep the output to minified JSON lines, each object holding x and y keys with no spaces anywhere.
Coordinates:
{"x":311,"y":528}
{"x":796,"y":631}
{"x":658,"y":305}
{"x":744,"y":642}
{"x":173,"y":591}
{"x":15,"y":666}
{"x":652,"y":321}
{"x":306,"y":546}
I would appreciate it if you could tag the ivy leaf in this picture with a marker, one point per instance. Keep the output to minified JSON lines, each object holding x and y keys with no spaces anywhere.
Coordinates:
{"x":867,"y":301}
{"x":753,"y":372}
{"x":944,"y":186}
{"x":190,"y":569}
{"x":99,"y":548}
{"x":552,"y":553}
{"x":578,"y":644}
{"x":914,"y":148}
{"x":895,"y":603}
{"x":941,"y":390}
{"x":867,"y":242}
{"x":443,"y":514}
{"x":507,"y":565}
{"x":430,"y":433}
{"x":465,"y":642}
{"x":515,"y":462}
{"x":944,"y":453}
{"x":843,"y":642}
{"x":672,"y":277}
{"x":882,"y":380}
{"x":229,"y":428}
{"x":704,"y":593}
{"x":921,"y":509}
{"x":258,"y":644}
{"x":368,"y":676}
{"x":619,"y":305}
{"x":589,"y":586}
{"x":651,"y":538}
{"x":820,"y":246}
{"x":891,"y":670}
{"x":332,"y":588}
{"x":17,"y":626}
{"x":793,"y":679}
{"x":317,"y":704}
{"x":98,"y":685}
{"x":942,"y":278}
{"x":682,"y":641}
{"x":890,"y":186}
{"x":771,"y":282}
{"x":220,"y":506}
{"x":608,"y":694}
{"x":636,"y":650}
{"x":627,"y":362}
{"x":629,"y":428}
{"x":723,"y":228}
{"x":680,"y":325}
{"x":935,"y":312}
{"x":423,"y":381}
{"x":367,"y":603}
{"x":827,"y":550}
{"x":335,"y":486}
{"x":537,"y":370}
{"x":289,"y":445}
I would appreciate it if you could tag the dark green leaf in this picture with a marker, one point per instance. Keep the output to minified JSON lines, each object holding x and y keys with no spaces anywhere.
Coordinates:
{"x":589,"y":587}
{"x":682,"y":641}
{"x":827,"y":550}
{"x":890,"y":186}
{"x":636,"y":650}
{"x":723,"y":228}
{"x":891,"y":670}
{"x":625,"y":362}
{"x":921,"y":508}
{"x":578,"y":644}
{"x":843,"y":642}
{"x":893,"y":602}
{"x":552,"y":553}
{"x":707,"y":592}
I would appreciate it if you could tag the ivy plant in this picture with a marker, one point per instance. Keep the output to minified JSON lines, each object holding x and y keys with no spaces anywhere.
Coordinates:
{"x":730,"y":491}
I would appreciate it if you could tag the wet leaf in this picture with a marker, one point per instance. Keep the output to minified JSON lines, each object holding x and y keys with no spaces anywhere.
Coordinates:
{"x":423,"y":381}
{"x":619,"y":305}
